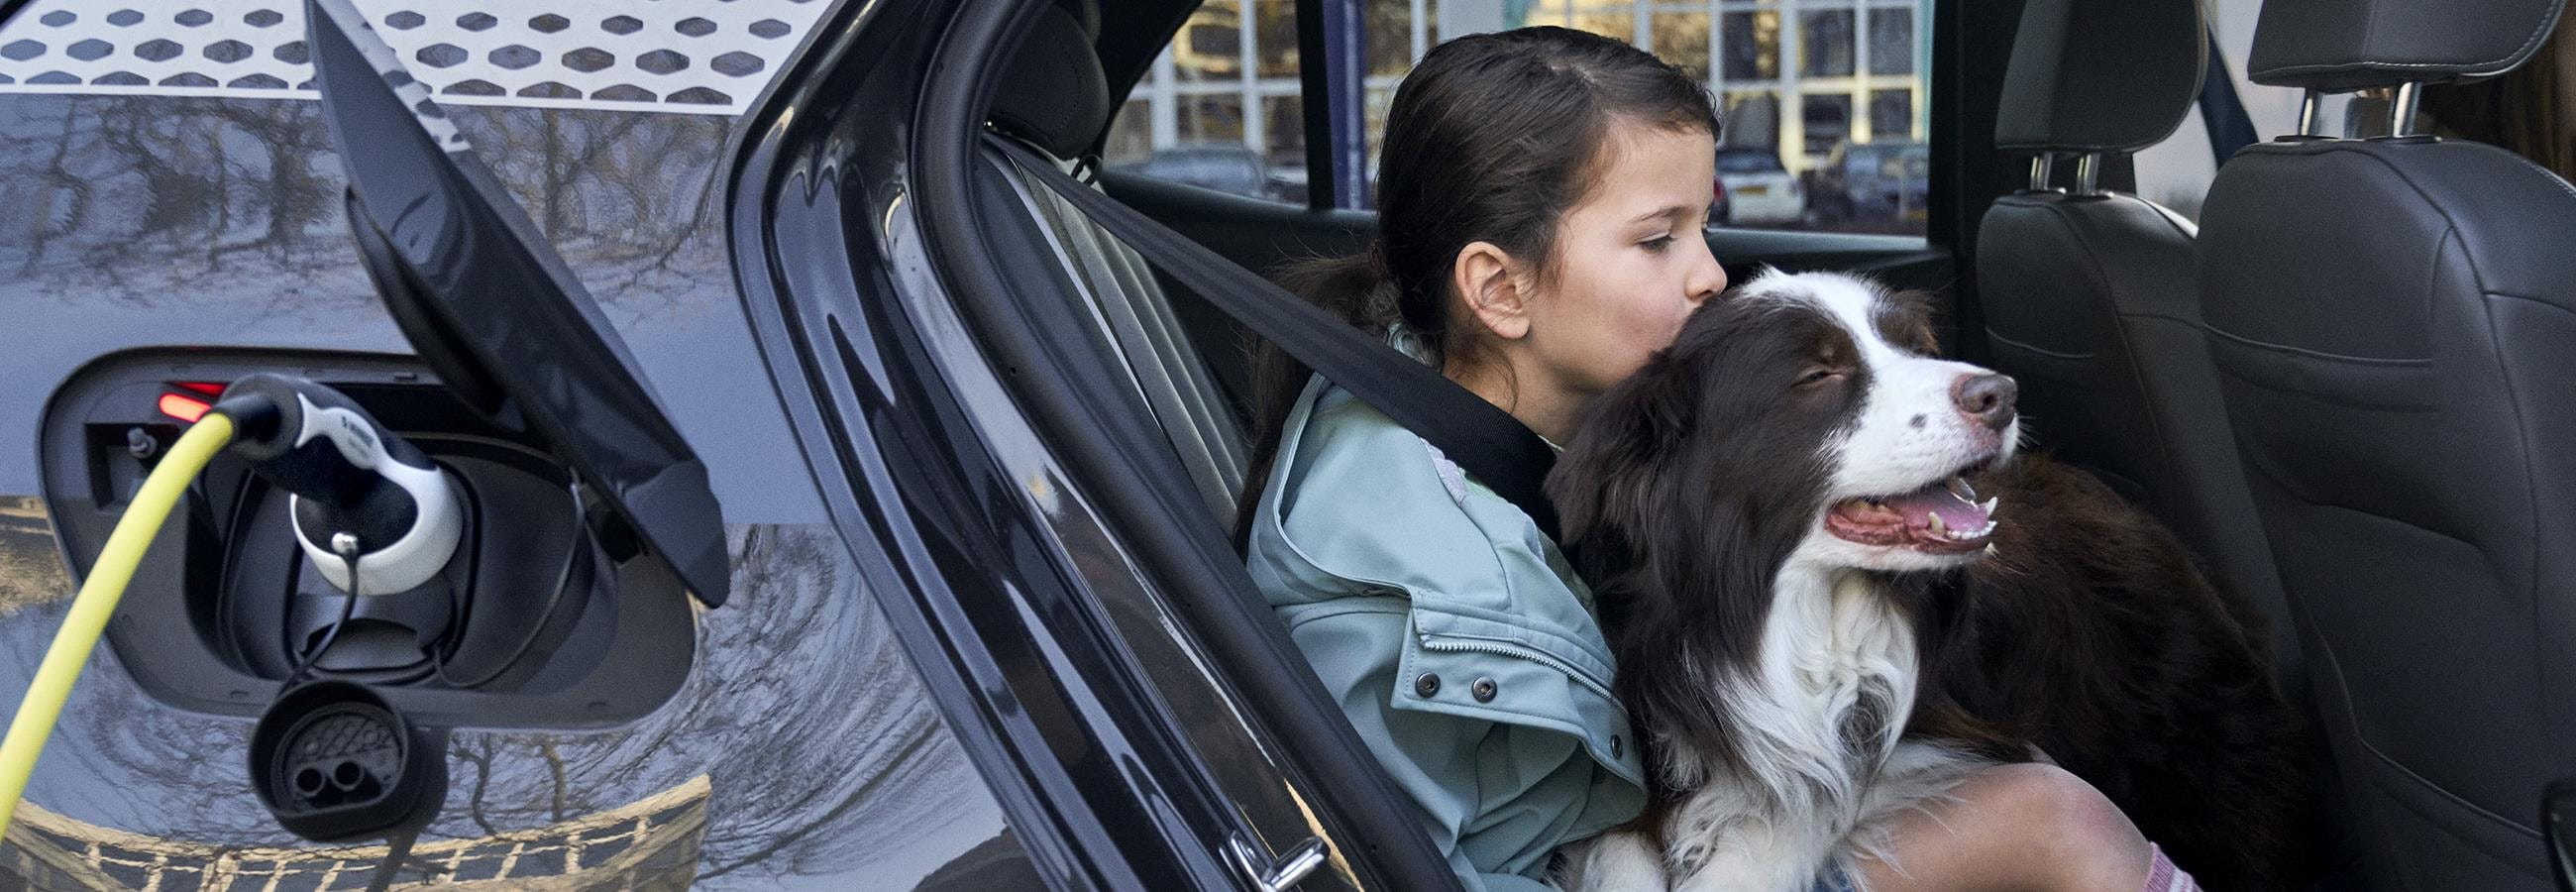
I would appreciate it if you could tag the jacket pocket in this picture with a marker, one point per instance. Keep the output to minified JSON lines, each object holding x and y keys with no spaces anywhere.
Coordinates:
{"x":1515,"y":683}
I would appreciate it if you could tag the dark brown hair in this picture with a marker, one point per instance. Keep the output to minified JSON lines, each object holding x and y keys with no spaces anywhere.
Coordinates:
{"x":1491,"y":138}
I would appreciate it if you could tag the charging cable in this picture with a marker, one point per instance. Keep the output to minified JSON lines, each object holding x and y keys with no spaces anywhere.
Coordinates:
{"x":97,"y":602}
{"x":354,"y":485}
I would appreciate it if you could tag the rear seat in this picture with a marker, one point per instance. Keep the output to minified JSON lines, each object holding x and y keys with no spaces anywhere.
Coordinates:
{"x":1057,"y":100}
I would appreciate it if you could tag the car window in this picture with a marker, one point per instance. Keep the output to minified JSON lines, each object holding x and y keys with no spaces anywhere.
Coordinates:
{"x":1793,"y":79}
{"x":1220,"y":107}
{"x":2176,"y":172}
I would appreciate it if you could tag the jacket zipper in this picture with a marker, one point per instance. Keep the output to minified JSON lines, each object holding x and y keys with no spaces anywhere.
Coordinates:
{"x":1457,"y":644}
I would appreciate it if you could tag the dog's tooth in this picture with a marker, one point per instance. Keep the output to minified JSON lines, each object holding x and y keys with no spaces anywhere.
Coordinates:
{"x":1939,"y":528}
{"x":1959,"y":489}
{"x":1989,"y":507}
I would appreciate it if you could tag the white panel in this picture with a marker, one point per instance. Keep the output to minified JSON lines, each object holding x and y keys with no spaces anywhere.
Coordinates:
{"x":693,"y":56}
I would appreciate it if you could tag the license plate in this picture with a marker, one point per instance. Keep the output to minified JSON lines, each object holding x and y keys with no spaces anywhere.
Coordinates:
{"x":1752,"y":190}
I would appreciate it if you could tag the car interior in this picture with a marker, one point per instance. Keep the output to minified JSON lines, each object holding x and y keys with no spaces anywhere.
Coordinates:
{"x":2339,"y":388}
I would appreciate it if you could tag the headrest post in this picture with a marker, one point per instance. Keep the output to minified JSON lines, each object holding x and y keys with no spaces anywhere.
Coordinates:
{"x":2401,"y":109}
{"x":2088,"y":174}
{"x":2309,"y":100}
{"x":2041,"y":166}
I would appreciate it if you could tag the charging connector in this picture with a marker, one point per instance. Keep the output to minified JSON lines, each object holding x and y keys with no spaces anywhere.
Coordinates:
{"x":347,"y":475}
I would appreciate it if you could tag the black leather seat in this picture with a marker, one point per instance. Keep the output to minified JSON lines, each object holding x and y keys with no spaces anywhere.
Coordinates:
{"x":2394,"y":323}
{"x":2089,"y":295}
{"x":1056,"y":99}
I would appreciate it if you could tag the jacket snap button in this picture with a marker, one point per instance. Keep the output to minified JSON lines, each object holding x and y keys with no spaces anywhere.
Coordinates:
{"x":1484,"y":690}
{"x":1426,"y":685}
{"x":1614,"y":747}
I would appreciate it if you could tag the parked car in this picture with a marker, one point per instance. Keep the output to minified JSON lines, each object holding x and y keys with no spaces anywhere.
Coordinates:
{"x":1874,"y":181}
{"x":1758,"y":188}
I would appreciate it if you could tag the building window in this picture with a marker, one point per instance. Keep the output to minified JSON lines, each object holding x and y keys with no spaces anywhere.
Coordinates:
{"x":1285,"y":117}
{"x":1752,"y":119}
{"x":1798,"y":78}
{"x":1826,"y":119}
{"x":1752,"y":46}
{"x":1210,"y":47}
{"x":1386,"y":42}
{"x":1131,"y":136}
{"x":1681,"y":38}
{"x":1891,"y":41}
{"x":1616,"y":22}
{"x":1827,"y":47}
{"x":1216,"y":118}
{"x":1275,"y":37}
{"x":1891,"y":114}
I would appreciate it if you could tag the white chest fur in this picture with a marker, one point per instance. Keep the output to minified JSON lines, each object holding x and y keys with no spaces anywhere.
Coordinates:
{"x":1815,"y":720}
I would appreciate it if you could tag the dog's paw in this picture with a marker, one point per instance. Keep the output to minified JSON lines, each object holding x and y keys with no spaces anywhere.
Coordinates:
{"x":1618,"y":861}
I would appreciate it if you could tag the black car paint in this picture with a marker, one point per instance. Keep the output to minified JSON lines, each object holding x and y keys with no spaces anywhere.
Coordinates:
{"x":1077,"y":684}
{"x":155,"y":221}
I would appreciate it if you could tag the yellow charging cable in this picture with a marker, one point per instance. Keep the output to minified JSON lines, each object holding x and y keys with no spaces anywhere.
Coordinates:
{"x":97,"y":601}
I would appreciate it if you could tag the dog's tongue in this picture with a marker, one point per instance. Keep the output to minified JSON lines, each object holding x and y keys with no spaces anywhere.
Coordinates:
{"x":1950,"y":499}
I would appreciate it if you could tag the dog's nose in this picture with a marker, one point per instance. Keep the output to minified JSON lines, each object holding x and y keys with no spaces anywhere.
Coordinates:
{"x":1986,"y":399}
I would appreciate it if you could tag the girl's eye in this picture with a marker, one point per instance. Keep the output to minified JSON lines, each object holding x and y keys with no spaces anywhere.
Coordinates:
{"x":1659,"y":243}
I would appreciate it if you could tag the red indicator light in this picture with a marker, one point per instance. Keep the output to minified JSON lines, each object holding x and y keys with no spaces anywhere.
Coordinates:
{"x":209,"y":388}
{"x":184,"y":407}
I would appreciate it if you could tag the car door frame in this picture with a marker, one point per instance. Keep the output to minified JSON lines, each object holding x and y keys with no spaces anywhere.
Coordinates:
{"x":965,"y":454}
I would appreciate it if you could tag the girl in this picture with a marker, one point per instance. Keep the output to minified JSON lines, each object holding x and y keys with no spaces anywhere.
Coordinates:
{"x":1542,"y":193}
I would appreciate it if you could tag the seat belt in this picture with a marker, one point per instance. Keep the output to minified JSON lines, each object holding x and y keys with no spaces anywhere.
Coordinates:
{"x":1487,"y":442}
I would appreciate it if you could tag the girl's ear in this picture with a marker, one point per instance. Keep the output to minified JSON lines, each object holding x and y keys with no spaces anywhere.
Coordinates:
{"x":1488,"y":279}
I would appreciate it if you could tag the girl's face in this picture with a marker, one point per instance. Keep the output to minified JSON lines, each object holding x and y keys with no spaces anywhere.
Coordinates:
{"x":1630,"y":263}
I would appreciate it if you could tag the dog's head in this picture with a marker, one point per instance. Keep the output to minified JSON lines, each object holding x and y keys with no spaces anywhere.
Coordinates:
{"x":1802,"y":418}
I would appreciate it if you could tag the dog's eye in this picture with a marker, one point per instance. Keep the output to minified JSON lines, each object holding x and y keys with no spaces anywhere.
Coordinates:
{"x":1818,"y":375}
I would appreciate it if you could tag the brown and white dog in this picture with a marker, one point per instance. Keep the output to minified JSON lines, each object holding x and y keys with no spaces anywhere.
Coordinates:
{"x":1834,"y":589}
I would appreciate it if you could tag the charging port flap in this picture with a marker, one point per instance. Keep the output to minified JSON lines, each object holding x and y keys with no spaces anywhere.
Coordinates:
{"x":494,"y":311}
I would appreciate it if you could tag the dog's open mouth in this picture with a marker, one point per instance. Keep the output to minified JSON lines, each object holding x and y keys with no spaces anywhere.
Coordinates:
{"x":1943,"y":518}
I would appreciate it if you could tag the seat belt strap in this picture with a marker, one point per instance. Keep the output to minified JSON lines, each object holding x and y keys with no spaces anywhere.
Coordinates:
{"x":1485,"y":441}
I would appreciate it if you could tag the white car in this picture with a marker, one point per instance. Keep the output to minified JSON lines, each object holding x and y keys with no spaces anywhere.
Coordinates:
{"x":1757,"y":189}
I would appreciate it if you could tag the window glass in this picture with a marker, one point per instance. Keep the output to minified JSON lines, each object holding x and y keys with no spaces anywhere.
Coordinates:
{"x":1891,"y":111}
{"x":1891,"y":40}
{"x":1210,"y":47}
{"x":1752,"y":45}
{"x":2176,"y":172}
{"x":1681,"y":38}
{"x":1827,"y":119}
{"x":1221,"y":109}
{"x":1799,"y":79}
{"x":1829,"y":46}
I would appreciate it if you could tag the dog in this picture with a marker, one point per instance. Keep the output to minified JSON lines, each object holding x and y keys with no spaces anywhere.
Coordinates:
{"x":1835,"y":588}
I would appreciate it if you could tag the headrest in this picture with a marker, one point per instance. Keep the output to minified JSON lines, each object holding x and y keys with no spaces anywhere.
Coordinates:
{"x":1054,"y":94}
{"x":2339,"y":45}
{"x":2100,"y":75}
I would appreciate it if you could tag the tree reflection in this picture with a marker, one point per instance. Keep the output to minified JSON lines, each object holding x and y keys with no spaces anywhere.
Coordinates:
{"x":142,"y":199}
{"x":823,"y":750}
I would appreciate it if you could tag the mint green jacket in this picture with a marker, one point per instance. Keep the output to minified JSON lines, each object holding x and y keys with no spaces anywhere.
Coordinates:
{"x":1455,"y":637}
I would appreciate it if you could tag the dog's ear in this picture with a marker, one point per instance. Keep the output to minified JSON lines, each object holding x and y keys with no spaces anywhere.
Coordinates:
{"x":1603,"y":476}
{"x":1910,"y":322}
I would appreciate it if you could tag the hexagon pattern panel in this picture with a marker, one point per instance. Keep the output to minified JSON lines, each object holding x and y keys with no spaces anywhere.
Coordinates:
{"x":695,"y":56}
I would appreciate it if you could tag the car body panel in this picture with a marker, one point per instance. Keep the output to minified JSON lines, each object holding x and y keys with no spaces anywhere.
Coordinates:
{"x":803,"y":752}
